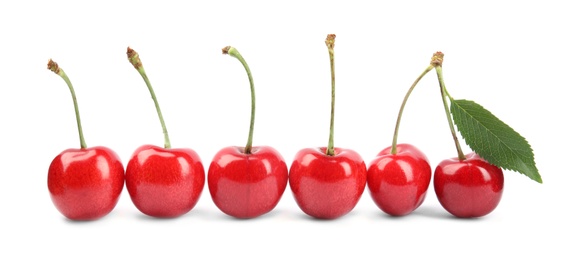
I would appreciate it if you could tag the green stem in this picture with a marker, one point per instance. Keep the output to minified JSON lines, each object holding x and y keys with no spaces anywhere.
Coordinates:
{"x":233,"y":52}
{"x":330,"y":40}
{"x":53,"y":66}
{"x":133,"y":57}
{"x":444,"y":95}
{"x":395,"y":133}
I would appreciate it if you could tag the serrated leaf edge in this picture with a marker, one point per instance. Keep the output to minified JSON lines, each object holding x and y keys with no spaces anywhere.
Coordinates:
{"x":532,"y":171}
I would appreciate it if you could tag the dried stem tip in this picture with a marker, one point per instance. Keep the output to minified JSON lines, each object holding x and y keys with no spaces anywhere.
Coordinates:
{"x":225,"y":50}
{"x":437,"y":59}
{"x":53,"y":66}
{"x":330,"y":39}
{"x":133,"y":57}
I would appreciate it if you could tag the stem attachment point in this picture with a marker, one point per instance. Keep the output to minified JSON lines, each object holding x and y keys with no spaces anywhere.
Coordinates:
{"x":437,"y":59}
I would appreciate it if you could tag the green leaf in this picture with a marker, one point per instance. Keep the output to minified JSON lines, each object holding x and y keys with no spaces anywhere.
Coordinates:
{"x":492,"y":139}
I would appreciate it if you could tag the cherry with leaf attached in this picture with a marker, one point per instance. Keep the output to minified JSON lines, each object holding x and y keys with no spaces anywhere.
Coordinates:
{"x":471,"y":185}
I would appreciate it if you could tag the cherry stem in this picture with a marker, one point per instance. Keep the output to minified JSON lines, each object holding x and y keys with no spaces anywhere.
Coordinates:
{"x":444,"y":95}
{"x":133,"y":57}
{"x":233,"y":52}
{"x":330,"y":40}
{"x":394,"y":144}
{"x":53,"y":66}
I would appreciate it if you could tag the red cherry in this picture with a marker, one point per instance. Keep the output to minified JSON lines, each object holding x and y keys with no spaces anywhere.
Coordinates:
{"x":398,"y":182}
{"x":247,"y":185}
{"x":164,"y":182}
{"x":328,"y":182}
{"x":469,"y":188}
{"x":327,"y":186}
{"x":249,"y":181}
{"x":85,"y":184}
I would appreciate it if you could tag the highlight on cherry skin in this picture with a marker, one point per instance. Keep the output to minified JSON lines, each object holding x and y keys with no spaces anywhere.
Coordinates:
{"x":84,"y":183}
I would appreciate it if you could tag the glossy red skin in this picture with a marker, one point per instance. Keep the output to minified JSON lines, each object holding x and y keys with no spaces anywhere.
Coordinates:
{"x":247,"y":185}
{"x":398,"y":182}
{"x":327,"y":187}
{"x":85,"y":184}
{"x":468,"y":189}
{"x":164,"y":182}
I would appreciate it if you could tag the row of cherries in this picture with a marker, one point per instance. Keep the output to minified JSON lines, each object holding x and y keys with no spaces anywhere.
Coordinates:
{"x":247,"y":182}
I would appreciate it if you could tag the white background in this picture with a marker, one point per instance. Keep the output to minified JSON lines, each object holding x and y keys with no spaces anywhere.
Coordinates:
{"x":512,"y":57}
